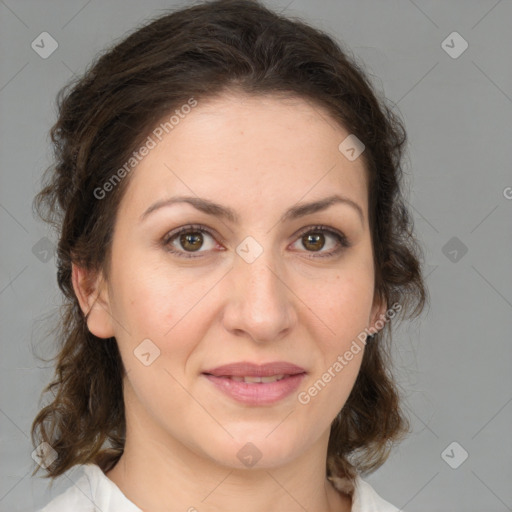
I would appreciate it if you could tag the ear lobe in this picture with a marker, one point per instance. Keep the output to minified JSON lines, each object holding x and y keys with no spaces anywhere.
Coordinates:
{"x":91,"y":292}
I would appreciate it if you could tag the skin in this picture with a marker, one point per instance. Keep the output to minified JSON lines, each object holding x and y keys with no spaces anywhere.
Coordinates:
{"x":258,"y":156}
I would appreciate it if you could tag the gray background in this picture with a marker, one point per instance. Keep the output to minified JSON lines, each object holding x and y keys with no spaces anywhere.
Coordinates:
{"x":453,"y":364}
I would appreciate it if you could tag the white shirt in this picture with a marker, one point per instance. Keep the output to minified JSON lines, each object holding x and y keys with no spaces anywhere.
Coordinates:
{"x":95,"y":492}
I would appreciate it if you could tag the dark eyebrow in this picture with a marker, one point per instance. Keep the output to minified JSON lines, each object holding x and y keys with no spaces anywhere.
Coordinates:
{"x":211,"y":208}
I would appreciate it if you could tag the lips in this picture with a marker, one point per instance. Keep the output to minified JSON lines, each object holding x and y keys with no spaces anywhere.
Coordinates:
{"x":256,"y":385}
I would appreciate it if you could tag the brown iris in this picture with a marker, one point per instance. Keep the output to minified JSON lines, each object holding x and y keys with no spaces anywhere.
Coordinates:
{"x":193,"y":240}
{"x":316,"y":240}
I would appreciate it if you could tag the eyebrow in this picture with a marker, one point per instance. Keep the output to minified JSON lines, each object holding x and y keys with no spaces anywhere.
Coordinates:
{"x":211,"y":208}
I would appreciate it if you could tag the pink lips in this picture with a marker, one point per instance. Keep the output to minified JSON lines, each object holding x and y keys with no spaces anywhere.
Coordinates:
{"x":256,"y":393}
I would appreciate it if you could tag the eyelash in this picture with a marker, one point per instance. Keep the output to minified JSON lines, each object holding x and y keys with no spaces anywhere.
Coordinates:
{"x":194,"y":228}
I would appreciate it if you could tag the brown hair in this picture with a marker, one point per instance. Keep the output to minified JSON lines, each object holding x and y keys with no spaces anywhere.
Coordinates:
{"x":105,"y":115}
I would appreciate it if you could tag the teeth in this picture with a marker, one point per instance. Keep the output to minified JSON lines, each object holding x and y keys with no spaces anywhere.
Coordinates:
{"x":272,"y":378}
{"x":265,"y":380}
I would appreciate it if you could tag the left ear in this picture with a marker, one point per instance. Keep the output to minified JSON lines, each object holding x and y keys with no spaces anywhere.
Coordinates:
{"x":378,"y":312}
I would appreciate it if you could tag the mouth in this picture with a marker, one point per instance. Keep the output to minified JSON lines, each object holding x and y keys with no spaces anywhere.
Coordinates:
{"x":253,"y":384}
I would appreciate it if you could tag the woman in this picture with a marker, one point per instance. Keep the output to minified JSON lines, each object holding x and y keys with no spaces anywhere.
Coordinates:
{"x":232,"y":229}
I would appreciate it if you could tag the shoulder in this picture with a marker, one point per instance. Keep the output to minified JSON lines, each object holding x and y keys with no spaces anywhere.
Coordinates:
{"x":92,"y":492}
{"x":366,"y":499}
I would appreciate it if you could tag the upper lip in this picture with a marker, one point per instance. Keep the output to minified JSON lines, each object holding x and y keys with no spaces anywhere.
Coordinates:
{"x":246,"y":369}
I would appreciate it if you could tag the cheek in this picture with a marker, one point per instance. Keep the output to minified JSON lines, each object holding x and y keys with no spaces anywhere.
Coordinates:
{"x":166,"y":309}
{"x":141,"y":311}
{"x":145,"y":304}
{"x":343,"y":303}
{"x":148,"y":295}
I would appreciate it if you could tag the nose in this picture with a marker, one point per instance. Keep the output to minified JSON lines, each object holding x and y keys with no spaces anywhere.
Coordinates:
{"x":260,"y":306}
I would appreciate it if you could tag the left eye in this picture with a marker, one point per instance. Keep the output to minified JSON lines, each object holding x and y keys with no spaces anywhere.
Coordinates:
{"x":191,"y":239}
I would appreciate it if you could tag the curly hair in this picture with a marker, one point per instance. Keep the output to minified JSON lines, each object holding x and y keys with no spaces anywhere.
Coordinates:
{"x":103,"y":116}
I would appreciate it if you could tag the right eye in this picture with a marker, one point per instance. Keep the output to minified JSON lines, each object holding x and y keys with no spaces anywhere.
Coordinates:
{"x":187,"y":240}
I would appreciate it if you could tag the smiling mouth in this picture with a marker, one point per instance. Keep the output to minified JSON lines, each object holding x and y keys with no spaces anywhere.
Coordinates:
{"x":256,"y":384}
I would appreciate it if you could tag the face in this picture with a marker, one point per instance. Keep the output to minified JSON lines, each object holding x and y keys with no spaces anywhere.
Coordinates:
{"x":255,"y":279}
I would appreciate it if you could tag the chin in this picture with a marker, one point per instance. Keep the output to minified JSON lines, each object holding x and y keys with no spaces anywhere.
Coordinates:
{"x":250,"y":450}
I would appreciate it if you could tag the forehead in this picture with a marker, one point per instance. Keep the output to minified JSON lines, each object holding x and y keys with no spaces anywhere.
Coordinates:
{"x":265,"y":151}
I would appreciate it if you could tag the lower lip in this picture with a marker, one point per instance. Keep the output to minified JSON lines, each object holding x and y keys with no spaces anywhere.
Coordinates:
{"x":257,"y":393}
